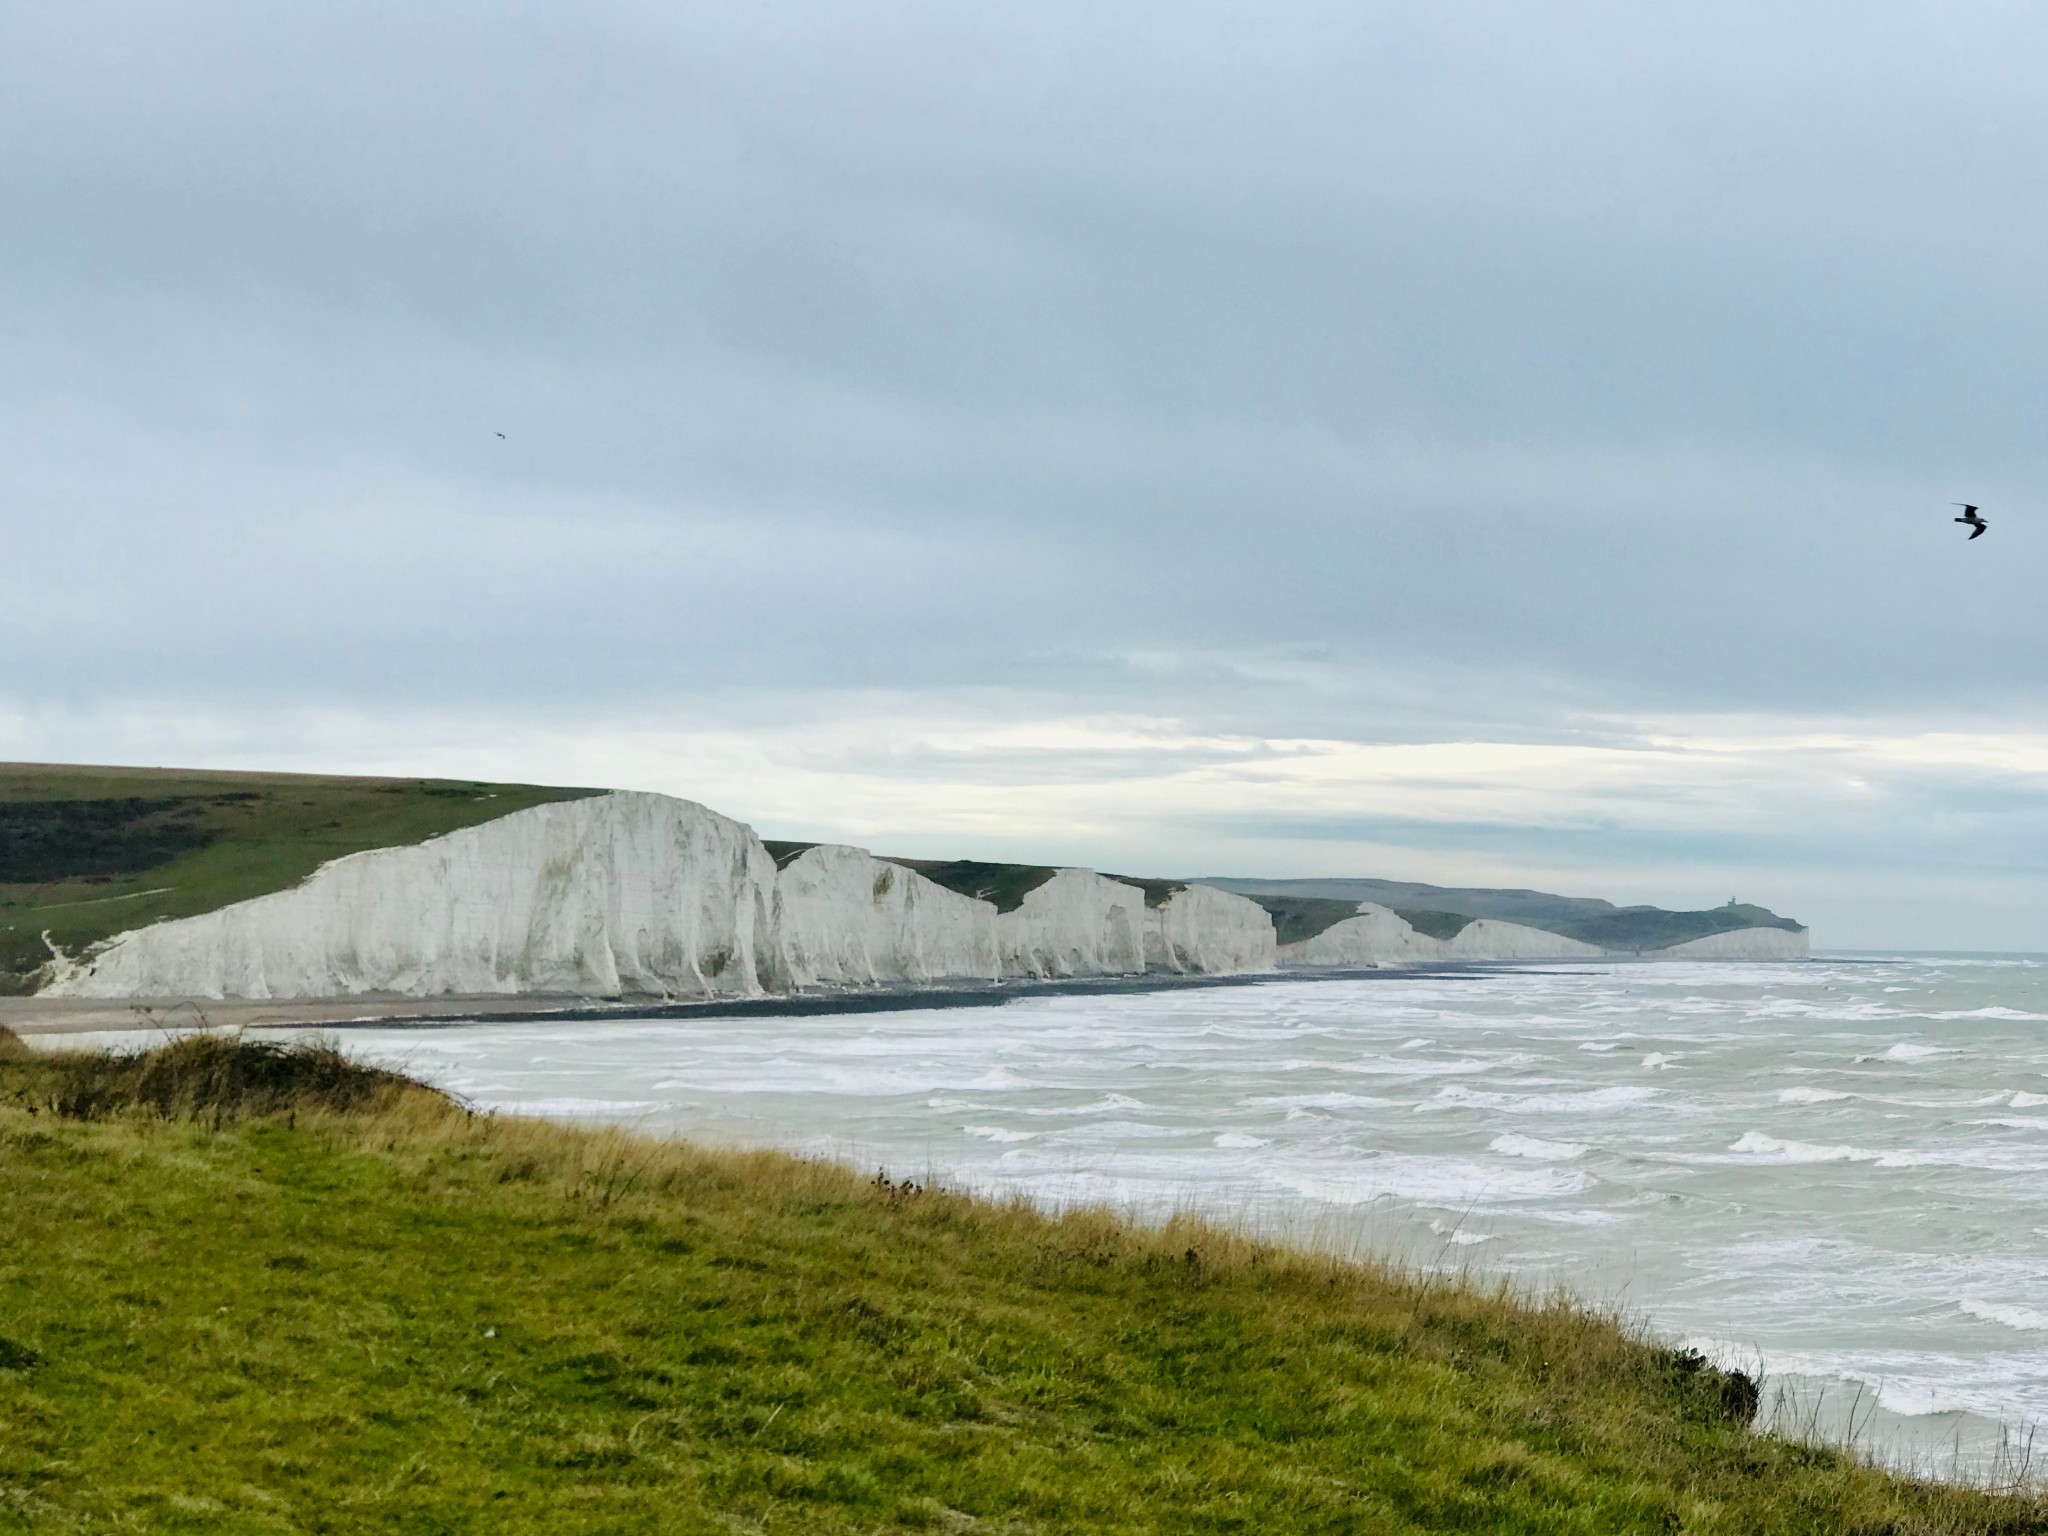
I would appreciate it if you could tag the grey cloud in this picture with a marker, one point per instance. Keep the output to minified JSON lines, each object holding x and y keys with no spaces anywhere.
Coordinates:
{"x":1380,"y":370}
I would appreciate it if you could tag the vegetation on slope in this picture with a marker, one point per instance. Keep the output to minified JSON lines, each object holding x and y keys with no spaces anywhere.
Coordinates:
{"x":86,"y":853}
{"x":1004,"y":885}
{"x":1157,"y":892}
{"x":1300,"y":918}
{"x":248,"y":1289}
{"x":1438,"y":925}
{"x":1297,"y":919}
{"x":1585,"y":918}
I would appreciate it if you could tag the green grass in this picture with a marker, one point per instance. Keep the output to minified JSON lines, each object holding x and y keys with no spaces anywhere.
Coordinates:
{"x":251,"y":1290}
{"x":86,"y":853}
{"x":1298,"y":918}
{"x":1438,"y":925}
{"x":1003,"y":885}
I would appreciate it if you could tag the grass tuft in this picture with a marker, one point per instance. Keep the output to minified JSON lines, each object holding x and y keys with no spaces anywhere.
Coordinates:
{"x":213,"y":1077}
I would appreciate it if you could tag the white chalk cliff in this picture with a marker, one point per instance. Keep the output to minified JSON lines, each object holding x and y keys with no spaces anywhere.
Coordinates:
{"x":1741,"y":944}
{"x":1201,"y":929}
{"x":1078,"y":923}
{"x":620,"y":893}
{"x":1379,"y":936}
{"x":846,"y":918}
{"x":640,"y":895}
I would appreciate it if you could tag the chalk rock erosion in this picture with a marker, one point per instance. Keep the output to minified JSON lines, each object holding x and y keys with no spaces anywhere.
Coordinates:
{"x":1489,"y":938}
{"x":846,"y":918}
{"x":619,"y":894}
{"x":1201,"y":929}
{"x":1741,"y":944}
{"x":1379,"y":936}
{"x":1078,"y":923}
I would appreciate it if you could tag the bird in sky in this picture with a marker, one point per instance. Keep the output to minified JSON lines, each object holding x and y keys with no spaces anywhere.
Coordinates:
{"x":1976,"y":524}
{"x":502,"y":434}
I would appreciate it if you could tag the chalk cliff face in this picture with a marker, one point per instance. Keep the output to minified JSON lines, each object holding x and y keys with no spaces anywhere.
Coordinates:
{"x":1741,"y":944}
{"x":621,"y":894}
{"x":1201,"y":929}
{"x":846,"y":918}
{"x":1377,"y":936}
{"x":643,"y":895}
{"x":1078,"y":923}
{"x":1491,"y":939}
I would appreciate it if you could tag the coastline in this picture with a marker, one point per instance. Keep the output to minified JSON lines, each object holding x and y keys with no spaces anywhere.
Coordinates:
{"x":29,"y":1017}
{"x":35,"y":1016}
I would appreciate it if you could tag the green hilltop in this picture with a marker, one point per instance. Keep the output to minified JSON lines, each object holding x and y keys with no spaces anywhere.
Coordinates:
{"x":86,"y":853}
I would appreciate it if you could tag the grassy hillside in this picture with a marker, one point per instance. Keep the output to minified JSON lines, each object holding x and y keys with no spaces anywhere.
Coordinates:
{"x":1586,"y":918}
{"x":90,"y":852}
{"x":1005,"y":885}
{"x":243,"y":1289}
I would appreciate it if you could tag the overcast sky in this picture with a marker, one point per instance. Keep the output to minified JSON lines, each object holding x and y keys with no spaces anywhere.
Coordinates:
{"x":1504,"y":443}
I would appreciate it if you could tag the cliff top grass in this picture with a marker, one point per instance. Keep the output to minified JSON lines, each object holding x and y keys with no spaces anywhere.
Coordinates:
{"x":86,"y":853}
{"x":1299,"y":918}
{"x":245,"y":1288}
{"x":1003,"y":885}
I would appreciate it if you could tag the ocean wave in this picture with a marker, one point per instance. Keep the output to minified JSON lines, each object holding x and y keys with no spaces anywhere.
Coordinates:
{"x":1438,"y":1181}
{"x":1316,"y":1101}
{"x":1108,"y":1104}
{"x":997,"y":1133}
{"x":1761,"y":1144}
{"x":1906,"y":1050}
{"x":1238,"y":1141}
{"x":1534,"y":1146}
{"x":1380,"y":1066}
{"x":576,"y":1109}
{"x":1459,"y":1235}
{"x":1809,"y":1095}
{"x":2024,"y":1100}
{"x":1588,"y":1101}
{"x":2024,"y":1319}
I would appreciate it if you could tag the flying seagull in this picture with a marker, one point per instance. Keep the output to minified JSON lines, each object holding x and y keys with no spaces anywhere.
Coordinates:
{"x":1976,"y":524}
{"x":502,"y":434}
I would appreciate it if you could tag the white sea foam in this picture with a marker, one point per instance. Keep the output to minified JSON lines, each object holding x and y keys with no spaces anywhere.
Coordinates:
{"x":1108,"y":1104}
{"x":1589,"y":1101}
{"x":1785,"y":1151}
{"x":1809,"y":1096}
{"x":1458,"y":1235}
{"x":997,"y":1133}
{"x":2025,"y":1319}
{"x":577,"y":1109}
{"x":1238,"y":1141}
{"x":2028,"y":1100}
{"x":1534,"y":1146}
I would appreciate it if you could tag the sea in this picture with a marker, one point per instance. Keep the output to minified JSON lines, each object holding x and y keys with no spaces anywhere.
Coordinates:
{"x":1832,"y":1174}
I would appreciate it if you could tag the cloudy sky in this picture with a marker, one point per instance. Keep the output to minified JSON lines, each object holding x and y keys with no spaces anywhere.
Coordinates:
{"x":1482,"y":443}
